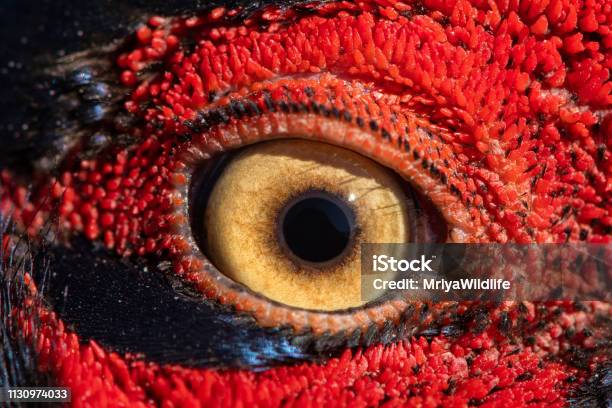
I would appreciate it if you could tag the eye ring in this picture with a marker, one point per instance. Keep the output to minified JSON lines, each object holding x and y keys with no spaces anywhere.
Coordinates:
{"x":225,"y":133}
{"x":269,"y":313}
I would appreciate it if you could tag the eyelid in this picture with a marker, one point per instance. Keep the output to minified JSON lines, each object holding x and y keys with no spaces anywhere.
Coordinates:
{"x":347,"y":117}
{"x":274,"y":114}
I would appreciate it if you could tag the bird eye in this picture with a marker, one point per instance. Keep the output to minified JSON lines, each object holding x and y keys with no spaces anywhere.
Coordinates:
{"x":286,"y":218}
{"x":277,"y":205}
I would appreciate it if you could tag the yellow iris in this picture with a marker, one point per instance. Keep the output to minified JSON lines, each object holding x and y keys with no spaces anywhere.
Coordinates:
{"x":286,"y":218}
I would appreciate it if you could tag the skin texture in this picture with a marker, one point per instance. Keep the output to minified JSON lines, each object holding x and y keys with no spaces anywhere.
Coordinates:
{"x":498,"y":112}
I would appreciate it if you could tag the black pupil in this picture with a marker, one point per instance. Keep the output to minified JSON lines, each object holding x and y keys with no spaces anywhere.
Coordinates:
{"x":317,"y":228}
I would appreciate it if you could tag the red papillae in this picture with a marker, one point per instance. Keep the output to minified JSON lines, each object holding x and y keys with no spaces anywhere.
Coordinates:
{"x":414,"y":372}
{"x":517,"y":95}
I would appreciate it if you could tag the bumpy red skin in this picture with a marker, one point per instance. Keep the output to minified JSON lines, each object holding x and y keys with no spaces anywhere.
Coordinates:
{"x":517,"y":97}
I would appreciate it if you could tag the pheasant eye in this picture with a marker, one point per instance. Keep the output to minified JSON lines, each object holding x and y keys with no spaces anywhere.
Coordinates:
{"x":286,"y":218}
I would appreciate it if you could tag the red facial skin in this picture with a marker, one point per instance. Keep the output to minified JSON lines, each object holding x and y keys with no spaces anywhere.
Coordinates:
{"x":516,"y":101}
